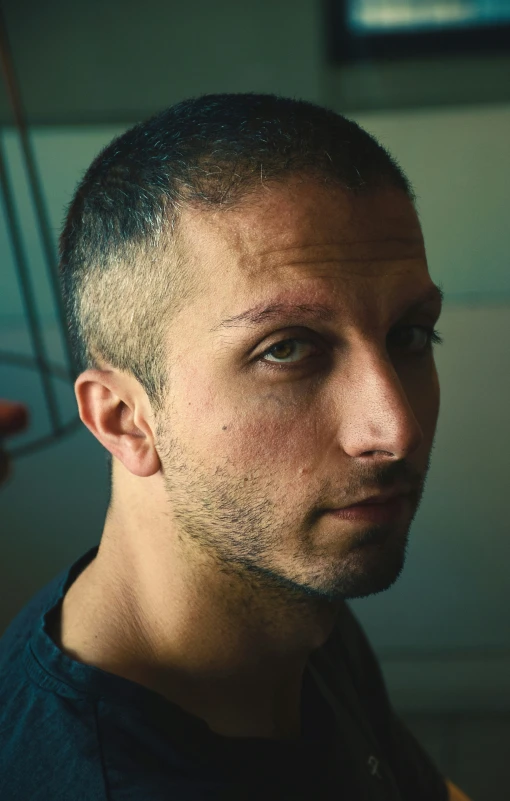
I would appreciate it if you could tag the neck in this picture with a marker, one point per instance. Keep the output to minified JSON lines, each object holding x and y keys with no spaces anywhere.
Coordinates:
{"x":241,"y":676}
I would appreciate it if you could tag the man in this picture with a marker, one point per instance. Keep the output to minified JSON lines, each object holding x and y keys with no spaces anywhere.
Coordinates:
{"x":247,"y":289}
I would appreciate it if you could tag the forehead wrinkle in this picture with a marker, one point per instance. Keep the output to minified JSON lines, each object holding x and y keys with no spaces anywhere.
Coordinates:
{"x":344,"y":260}
{"x":265,"y":230}
{"x":302,"y":227}
{"x":255,"y":269}
{"x":343,"y":243}
{"x":390,"y":249}
{"x":253,"y":243}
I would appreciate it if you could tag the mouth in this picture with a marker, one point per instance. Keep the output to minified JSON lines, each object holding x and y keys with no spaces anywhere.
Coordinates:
{"x":372,"y":510}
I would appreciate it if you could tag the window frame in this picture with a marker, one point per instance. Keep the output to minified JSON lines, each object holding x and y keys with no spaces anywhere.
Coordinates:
{"x":346,"y":47}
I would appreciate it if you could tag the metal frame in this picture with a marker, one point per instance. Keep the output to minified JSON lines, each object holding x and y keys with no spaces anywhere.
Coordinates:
{"x":40,"y":362}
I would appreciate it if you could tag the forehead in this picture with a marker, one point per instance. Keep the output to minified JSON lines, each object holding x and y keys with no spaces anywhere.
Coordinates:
{"x":321,"y":238}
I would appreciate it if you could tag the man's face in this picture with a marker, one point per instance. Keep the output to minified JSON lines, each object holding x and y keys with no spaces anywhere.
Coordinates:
{"x":272,"y":422}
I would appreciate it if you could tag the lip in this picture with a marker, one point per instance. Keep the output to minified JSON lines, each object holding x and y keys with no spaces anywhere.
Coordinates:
{"x":371,"y":511}
{"x":381,"y":497}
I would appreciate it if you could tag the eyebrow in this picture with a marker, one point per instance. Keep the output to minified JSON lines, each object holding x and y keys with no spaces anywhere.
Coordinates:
{"x":261,"y":314}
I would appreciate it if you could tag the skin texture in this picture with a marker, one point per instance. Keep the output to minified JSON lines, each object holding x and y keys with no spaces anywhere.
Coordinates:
{"x":218,"y":572}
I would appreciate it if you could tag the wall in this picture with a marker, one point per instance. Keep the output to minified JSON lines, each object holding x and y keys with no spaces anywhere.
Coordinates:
{"x":121,"y":61}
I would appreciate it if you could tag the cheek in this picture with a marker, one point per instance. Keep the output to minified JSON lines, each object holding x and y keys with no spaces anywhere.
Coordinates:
{"x":249,"y":432}
{"x":253,"y":444}
{"x":267,"y":435}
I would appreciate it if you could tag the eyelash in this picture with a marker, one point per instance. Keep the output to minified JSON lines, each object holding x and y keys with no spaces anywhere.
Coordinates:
{"x":434,"y":338}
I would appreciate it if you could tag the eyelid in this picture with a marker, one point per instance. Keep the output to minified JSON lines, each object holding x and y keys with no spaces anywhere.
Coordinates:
{"x":320,"y":346}
{"x":310,"y":336}
{"x":305,"y":334}
{"x":407,"y":320}
{"x":429,"y":314}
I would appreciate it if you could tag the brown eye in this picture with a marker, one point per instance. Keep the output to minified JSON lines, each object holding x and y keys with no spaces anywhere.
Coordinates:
{"x":283,"y":350}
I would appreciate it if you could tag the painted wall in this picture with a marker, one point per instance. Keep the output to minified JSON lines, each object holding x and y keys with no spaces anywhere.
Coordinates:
{"x":121,"y":60}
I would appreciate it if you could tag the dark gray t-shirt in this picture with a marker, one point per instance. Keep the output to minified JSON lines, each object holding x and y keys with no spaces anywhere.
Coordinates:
{"x":72,"y":732}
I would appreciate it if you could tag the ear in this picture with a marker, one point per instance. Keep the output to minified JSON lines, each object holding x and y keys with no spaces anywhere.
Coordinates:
{"x":116,"y":410}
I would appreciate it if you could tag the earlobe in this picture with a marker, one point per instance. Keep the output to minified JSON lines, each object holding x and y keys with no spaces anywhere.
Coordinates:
{"x":138,"y":455}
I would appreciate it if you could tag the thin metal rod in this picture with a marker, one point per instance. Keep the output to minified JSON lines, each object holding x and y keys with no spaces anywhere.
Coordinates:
{"x":35,"y":185}
{"x":27,"y":294}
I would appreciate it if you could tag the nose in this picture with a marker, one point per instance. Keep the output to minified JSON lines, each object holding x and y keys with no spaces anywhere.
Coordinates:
{"x":376,"y":416}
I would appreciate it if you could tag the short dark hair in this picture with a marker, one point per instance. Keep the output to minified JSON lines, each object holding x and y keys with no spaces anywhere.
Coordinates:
{"x":120,"y":295}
